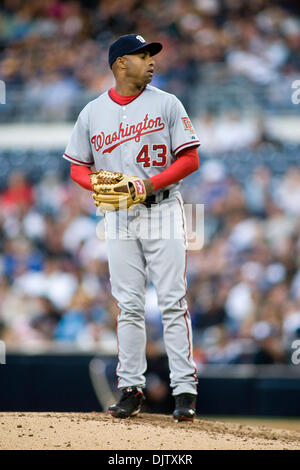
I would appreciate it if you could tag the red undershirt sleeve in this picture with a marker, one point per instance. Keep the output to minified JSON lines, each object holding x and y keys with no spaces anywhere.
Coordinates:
{"x":187,"y":162}
{"x":80,"y":174}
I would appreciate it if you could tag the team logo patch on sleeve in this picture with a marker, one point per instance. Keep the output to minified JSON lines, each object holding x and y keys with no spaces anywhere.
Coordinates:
{"x":188,"y":125}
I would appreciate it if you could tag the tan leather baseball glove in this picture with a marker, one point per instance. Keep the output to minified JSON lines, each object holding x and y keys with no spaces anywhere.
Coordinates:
{"x":114,"y":191}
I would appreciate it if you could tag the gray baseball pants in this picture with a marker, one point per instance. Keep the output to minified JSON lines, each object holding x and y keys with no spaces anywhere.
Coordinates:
{"x":153,"y":240}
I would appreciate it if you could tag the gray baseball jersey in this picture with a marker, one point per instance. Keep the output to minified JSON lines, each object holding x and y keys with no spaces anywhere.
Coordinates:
{"x":141,"y":138}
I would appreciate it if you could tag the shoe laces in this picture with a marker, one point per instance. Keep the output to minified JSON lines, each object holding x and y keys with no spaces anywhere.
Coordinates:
{"x":130,"y":392}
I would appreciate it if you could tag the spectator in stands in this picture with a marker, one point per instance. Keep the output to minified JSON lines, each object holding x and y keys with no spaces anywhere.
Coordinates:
{"x":18,"y":194}
{"x":55,"y":50}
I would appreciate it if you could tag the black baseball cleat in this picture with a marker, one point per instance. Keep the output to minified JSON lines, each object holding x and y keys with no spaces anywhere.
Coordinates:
{"x":185,"y":407}
{"x":129,"y":404}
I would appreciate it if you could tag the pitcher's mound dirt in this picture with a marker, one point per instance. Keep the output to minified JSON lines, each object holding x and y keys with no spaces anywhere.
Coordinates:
{"x":146,"y":431}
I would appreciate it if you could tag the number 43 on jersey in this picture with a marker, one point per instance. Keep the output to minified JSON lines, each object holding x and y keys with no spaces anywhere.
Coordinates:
{"x":159,"y":156}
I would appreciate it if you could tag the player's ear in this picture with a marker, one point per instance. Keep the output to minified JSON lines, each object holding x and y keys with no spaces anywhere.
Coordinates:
{"x":122,"y":62}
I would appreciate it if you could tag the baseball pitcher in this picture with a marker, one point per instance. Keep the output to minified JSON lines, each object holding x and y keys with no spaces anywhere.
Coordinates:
{"x":141,"y":143}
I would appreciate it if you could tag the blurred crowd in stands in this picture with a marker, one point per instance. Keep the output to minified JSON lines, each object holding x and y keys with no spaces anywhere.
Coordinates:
{"x":54,"y":52}
{"x":244,"y":285}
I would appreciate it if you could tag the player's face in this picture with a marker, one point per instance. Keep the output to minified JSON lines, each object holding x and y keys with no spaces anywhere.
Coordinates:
{"x":140,"y":67}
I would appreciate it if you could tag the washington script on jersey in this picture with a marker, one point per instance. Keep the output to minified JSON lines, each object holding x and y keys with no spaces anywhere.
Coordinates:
{"x":126,"y":133}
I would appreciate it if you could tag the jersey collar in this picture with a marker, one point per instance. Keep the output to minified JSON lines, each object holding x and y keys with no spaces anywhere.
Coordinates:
{"x":122,"y":100}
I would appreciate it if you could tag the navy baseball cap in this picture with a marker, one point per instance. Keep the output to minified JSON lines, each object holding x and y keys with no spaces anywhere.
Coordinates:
{"x":129,"y":44}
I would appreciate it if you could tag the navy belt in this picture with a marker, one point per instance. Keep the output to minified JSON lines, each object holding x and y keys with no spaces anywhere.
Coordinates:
{"x":155,"y":199}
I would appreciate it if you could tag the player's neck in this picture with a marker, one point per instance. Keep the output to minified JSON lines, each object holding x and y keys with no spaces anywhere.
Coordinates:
{"x":128,"y":89}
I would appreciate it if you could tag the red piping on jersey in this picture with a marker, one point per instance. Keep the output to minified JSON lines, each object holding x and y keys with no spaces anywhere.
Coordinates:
{"x":188,"y":335}
{"x":185,"y":243}
{"x":183,"y":224}
{"x":120,"y":99}
{"x":187,"y":162}
{"x":118,"y":347}
{"x":186,"y":312}
{"x":78,"y":161}
{"x":188,"y":144}
{"x":190,"y":346}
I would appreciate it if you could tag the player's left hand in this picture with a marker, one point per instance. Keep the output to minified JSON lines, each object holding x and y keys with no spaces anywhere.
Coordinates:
{"x":148,"y":186}
{"x":115,"y":190}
